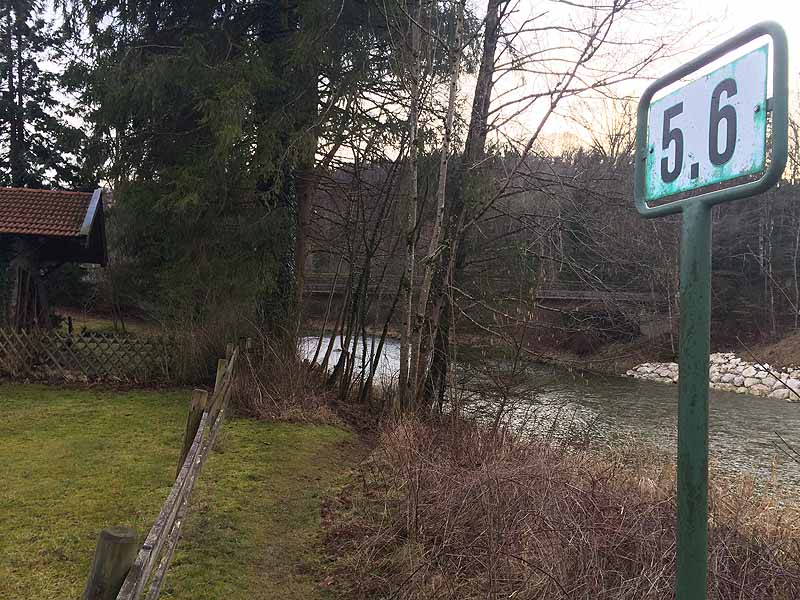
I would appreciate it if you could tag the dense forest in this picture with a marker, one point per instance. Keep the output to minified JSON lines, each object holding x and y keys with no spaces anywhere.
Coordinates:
{"x":400,"y":149}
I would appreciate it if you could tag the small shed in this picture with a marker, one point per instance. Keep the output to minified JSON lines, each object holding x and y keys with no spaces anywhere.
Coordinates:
{"x":40,"y":230}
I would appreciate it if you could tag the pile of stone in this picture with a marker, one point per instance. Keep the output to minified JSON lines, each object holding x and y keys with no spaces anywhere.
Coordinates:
{"x":730,"y":373}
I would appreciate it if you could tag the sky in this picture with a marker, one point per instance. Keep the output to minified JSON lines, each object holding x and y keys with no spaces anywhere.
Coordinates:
{"x":736,"y":15}
{"x":706,"y":22}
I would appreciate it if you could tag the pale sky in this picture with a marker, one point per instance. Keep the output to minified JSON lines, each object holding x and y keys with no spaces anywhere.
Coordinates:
{"x":706,"y":23}
{"x":736,"y":15}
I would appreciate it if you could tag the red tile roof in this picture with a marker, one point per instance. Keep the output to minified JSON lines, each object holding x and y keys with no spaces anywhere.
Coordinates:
{"x":42,"y":212}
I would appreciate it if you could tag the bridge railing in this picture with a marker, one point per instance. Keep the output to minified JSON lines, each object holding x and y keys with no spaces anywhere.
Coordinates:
{"x":323,"y":283}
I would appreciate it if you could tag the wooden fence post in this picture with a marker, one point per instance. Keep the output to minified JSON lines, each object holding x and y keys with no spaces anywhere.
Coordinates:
{"x":196,"y":407}
{"x":115,"y":553}
{"x":229,"y":350}
{"x":216,"y":397}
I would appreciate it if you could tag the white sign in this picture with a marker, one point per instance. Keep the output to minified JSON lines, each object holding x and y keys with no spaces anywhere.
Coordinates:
{"x":709,"y":131}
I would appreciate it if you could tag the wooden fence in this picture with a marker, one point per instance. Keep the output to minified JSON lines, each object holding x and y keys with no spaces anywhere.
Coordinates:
{"x":119,"y":572}
{"x":88,"y":356}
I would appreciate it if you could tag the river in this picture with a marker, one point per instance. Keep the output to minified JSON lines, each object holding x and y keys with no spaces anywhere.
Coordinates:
{"x":744,"y":430}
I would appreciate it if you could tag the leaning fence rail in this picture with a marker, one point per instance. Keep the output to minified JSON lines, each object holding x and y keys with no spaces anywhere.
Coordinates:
{"x":119,"y":574}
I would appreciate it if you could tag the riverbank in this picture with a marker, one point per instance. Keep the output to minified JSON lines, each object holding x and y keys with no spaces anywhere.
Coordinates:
{"x":613,"y":359}
{"x":455,"y":511}
{"x":767,"y":370}
{"x":444,"y":511}
{"x":728,"y":372}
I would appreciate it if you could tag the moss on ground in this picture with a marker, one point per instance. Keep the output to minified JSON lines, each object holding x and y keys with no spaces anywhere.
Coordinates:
{"x":75,"y":461}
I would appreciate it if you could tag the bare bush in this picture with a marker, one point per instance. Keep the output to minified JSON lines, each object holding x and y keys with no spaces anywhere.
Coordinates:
{"x":273,"y":382}
{"x":464,"y":513}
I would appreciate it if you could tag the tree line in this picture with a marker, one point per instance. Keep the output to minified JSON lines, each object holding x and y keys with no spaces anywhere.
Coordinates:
{"x":401,"y":145}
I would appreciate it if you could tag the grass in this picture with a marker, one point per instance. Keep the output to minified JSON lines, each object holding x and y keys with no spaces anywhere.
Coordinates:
{"x":75,"y":461}
{"x":102,"y":324}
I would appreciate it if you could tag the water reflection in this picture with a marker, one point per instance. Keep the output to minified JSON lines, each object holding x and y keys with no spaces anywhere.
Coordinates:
{"x":744,"y":429}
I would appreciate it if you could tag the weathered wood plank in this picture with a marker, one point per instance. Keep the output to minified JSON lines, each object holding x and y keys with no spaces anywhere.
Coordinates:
{"x":197,"y":406}
{"x":168,"y":551}
{"x":162,"y":539}
{"x":142,"y":567}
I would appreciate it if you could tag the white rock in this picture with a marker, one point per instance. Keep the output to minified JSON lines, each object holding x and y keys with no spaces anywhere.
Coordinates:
{"x":727,"y":378}
{"x":750,"y":381}
{"x":762,"y":374}
{"x":738,"y":380}
{"x":741,"y":390}
{"x":770,"y":381}
{"x":749,"y":372}
{"x":759,"y":390}
{"x":793,"y":383}
{"x":781,"y":394}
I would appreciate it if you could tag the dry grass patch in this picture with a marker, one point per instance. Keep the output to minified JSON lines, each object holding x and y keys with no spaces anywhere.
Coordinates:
{"x":460,"y":512}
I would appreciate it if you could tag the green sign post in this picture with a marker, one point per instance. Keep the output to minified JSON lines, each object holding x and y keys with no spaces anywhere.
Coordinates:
{"x":700,"y":145}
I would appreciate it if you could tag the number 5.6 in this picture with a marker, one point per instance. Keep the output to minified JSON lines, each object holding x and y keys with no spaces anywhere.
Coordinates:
{"x":717,"y":114}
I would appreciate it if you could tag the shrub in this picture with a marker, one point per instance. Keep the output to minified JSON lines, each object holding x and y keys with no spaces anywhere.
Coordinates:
{"x":461,"y":512}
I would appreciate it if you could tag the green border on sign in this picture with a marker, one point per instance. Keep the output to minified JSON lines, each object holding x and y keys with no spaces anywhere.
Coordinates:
{"x":780,"y":123}
{"x":656,"y":190}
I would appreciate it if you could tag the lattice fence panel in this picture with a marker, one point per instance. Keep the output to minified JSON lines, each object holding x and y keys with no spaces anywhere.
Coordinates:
{"x":85,"y":356}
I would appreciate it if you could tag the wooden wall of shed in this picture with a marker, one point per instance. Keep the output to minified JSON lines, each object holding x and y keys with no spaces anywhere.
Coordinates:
{"x":29,"y":308}
{"x":6,"y":284}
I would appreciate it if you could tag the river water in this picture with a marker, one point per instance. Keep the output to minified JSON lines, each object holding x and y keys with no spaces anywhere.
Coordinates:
{"x":744,"y":430}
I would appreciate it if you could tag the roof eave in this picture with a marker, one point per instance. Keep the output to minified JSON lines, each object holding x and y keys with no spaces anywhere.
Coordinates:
{"x":91,"y":213}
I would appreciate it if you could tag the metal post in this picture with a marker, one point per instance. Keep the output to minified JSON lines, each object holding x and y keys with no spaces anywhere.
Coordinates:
{"x":695,"y":307}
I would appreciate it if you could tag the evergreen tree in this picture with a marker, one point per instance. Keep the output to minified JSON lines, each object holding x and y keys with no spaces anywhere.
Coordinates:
{"x":206,"y":116}
{"x":39,"y":146}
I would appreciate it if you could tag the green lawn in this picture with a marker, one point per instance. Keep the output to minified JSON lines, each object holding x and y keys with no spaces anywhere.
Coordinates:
{"x":103,"y":324}
{"x":75,"y":461}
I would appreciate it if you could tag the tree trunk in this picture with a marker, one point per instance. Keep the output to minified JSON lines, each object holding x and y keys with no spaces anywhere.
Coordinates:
{"x":307,"y":180}
{"x":426,"y":320}
{"x":306,"y":188}
{"x":453,"y":256}
{"x":409,"y":216}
